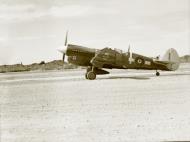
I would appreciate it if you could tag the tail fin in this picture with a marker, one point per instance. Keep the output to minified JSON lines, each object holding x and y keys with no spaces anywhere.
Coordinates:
{"x":171,"y":56}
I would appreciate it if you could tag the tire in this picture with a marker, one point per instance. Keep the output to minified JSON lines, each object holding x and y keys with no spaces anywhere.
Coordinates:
{"x":91,"y":75}
{"x":86,"y":76}
{"x":157,"y":74}
{"x":139,"y":61}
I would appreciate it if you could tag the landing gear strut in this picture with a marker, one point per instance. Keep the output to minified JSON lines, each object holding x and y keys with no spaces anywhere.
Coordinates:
{"x":90,"y":74}
{"x":157,"y":73}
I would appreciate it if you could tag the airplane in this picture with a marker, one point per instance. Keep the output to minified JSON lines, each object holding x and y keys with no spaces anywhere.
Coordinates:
{"x":96,"y":60}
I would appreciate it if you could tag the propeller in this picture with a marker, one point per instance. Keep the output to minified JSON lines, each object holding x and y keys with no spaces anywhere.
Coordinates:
{"x":64,"y":53}
{"x":63,"y":50}
{"x":66,"y":38}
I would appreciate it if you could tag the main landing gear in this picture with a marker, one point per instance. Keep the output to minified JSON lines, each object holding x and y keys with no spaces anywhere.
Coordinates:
{"x":90,"y":74}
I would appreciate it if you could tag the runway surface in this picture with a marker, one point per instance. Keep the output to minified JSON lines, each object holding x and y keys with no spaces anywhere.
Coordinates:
{"x":127,"y":105}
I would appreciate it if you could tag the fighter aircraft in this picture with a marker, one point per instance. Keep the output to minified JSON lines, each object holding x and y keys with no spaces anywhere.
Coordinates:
{"x":97,"y":60}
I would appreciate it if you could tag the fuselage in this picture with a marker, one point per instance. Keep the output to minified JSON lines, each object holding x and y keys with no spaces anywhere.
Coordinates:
{"x":110,"y":58}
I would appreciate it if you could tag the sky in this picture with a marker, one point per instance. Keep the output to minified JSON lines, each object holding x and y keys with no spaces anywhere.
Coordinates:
{"x":33,"y":30}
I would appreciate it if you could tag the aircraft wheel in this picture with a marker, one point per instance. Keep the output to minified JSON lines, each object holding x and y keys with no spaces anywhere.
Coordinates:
{"x":157,"y":74}
{"x":91,"y":75}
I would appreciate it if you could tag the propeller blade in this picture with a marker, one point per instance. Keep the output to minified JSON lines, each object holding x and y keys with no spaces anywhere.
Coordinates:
{"x":129,"y":48}
{"x":63,"y":57}
{"x":64,"y":49}
{"x":66,"y":38}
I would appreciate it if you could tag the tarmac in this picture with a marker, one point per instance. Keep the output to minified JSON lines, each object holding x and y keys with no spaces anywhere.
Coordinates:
{"x":126,"y":105}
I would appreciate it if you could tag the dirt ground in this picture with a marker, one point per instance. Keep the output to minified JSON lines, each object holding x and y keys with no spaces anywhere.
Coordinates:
{"x":127,"y":105}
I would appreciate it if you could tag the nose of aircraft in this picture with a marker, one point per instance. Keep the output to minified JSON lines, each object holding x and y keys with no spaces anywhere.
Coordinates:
{"x":63,"y":50}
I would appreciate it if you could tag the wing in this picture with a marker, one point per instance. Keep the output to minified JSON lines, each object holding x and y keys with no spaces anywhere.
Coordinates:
{"x":103,"y":57}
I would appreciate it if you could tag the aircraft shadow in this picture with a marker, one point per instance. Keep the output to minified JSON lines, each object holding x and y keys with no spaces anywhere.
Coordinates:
{"x":143,"y":77}
{"x":124,"y":77}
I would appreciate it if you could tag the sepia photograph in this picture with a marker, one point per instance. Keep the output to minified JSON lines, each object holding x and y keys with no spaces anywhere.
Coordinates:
{"x":94,"y":70}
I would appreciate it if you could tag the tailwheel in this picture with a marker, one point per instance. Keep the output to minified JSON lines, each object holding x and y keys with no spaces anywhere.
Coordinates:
{"x":157,"y":73}
{"x":90,"y":75}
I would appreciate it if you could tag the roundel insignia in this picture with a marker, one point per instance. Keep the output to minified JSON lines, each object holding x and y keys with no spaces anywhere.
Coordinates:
{"x":139,"y":61}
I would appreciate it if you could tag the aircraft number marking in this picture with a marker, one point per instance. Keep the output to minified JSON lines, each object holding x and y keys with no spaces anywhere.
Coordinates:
{"x":147,"y":63}
{"x":74,"y":57}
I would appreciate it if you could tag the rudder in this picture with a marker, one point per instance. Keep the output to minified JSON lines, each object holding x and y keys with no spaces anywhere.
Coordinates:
{"x":172,"y":57}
